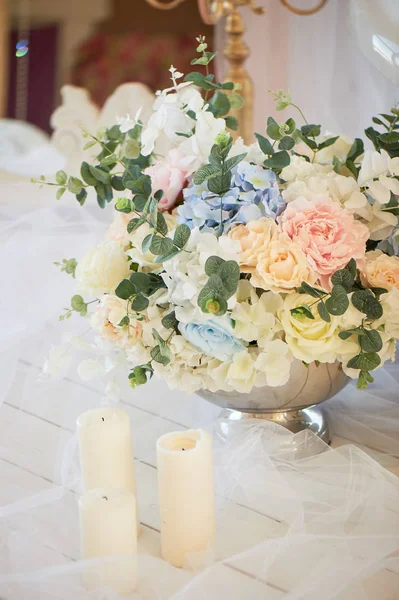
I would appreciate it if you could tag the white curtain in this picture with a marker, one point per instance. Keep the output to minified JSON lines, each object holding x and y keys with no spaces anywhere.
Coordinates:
{"x":318,"y":59}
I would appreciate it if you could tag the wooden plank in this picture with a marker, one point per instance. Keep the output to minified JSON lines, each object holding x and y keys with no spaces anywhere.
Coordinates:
{"x":155,"y":398}
{"x":33,"y":512}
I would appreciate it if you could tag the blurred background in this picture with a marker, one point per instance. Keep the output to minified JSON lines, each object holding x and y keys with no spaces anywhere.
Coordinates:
{"x":340,"y":64}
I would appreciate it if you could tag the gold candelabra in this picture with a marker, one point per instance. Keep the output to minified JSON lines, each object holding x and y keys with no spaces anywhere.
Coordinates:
{"x":235,"y":50}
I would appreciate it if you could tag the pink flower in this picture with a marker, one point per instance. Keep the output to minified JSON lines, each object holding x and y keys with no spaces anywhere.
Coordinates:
{"x":328,"y":234}
{"x":169,"y":176}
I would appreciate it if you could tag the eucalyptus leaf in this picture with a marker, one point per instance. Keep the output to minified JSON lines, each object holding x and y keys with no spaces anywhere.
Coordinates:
{"x":157,"y":355}
{"x":81,"y":196}
{"x":125,"y":290}
{"x":86,"y":174}
{"x":370,"y":340}
{"x":323,"y":312}
{"x":338,"y":303}
{"x":161,"y":225}
{"x":77,"y":303}
{"x":117,"y":183}
{"x":343,"y":277}
{"x":213,"y":264}
{"x":229,"y":273}
{"x":231,"y":122}
{"x":305,"y":288}
{"x":301,"y":312}
{"x":74,"y":185}
{"x":264,"y":144}
{"x":234,"y":161}
{"x":135,"y":224}
{"x":204,"y":173}
{"x":141,"y":282}
{"x":61,"y":177}
{"x":161,"y":245}
{"x":367,"y":361}
{"x":139,"y":303}
{"x":169,"y":321}
{"x":311,"y":130}
{"x":286,"y":143}
{"x":99,"y":174}
{"x":182,"y":235}
{"x":278,"y":160}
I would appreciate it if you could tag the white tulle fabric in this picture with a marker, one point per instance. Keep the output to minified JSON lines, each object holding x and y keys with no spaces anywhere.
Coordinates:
{"x":323,"y":523}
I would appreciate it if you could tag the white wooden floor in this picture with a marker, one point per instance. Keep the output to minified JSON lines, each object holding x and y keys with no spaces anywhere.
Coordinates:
{"x":35,"y":433}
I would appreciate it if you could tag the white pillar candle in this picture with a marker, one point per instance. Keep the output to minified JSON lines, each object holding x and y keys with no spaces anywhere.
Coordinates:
{"x":105,"y":446}
{"x":108,"y":528}
{"x":186,"y":496}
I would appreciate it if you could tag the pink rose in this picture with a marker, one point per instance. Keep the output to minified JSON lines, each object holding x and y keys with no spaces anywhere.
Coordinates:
{"x":169,"y":176}
{"x":328,"y":234}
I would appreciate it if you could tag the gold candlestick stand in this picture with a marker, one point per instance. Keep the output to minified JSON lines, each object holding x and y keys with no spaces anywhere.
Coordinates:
{"x":235,"y":50}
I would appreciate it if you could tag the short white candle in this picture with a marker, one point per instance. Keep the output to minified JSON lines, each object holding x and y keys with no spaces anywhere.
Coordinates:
{"x":105,"y":447}
{"x":108,"y":528}
{"x":186,"y":495}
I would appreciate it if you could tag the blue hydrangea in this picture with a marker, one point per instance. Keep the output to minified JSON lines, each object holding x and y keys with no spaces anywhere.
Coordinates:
{"x":254,"y":194}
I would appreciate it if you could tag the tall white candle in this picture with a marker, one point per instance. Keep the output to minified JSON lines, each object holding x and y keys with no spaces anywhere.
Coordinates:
{"x":105,"y":446}
{"x":108,"y":528}
{"x":186,"y":495}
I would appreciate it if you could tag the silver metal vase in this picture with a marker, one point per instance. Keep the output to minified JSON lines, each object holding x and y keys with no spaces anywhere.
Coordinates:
{"x":293,"y":405}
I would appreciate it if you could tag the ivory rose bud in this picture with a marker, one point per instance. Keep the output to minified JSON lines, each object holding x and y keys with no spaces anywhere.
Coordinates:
{"x":107,"y":318}
{"x":328,"y":234}
{"x":102,"y":269}
{"x":282,"y":266}
{"x":310,"y":339}
{"x":253,"y":237}
{"x":381,"y":270}
{"x":169,"y":176}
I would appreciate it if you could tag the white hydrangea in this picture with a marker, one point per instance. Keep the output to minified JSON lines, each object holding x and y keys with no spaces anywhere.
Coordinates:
{"x":255,"y":319}
{"x":377,"y":164}
{"x":275,"y":362}
{"x":185,"y":273}
{"x":315,"y":182}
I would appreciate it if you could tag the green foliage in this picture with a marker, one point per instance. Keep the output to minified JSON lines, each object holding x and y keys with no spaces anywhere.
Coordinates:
{"x":169,"y":321}
{"x":301,"y":312}
{"x":61,"y":177}
{"x":138,"y":289}
{"x":335,"y":303}
{"x":388,"y":139}
{"x":221,"y":285}
{"x":140,"y":375}
{"x":68,"y":266}
{"x":161,"y":352}
{"x":77,"y":305}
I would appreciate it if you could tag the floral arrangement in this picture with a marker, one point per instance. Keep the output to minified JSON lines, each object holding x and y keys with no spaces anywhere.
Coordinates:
{"x":226,"y":262}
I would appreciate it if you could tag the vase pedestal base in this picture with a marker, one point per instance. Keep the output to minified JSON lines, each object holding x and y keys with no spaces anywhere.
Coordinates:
{"x":307,"y":419}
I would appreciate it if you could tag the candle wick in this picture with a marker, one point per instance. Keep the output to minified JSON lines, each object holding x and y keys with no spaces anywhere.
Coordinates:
{"x":183,"y":449}
{"x":103,"y":418}
{"x":105,"y":498}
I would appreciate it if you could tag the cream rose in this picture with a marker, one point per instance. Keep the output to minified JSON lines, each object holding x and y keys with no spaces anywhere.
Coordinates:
{"x":253,"y":237}
{"x":310,"y":339}
{"x":282,"y":266}
{"x":390,"y":317}
{"x":381,"y":270}
{"x":102,"y":269}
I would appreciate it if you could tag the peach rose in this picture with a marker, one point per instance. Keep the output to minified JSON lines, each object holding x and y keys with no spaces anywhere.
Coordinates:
{"x":107,"y":317}
{"x":282,"y":266}
{"x":168,"y":175}
{"x":381,"y":270}
{"x":253,"y":237}
{"x":328,"y":234}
